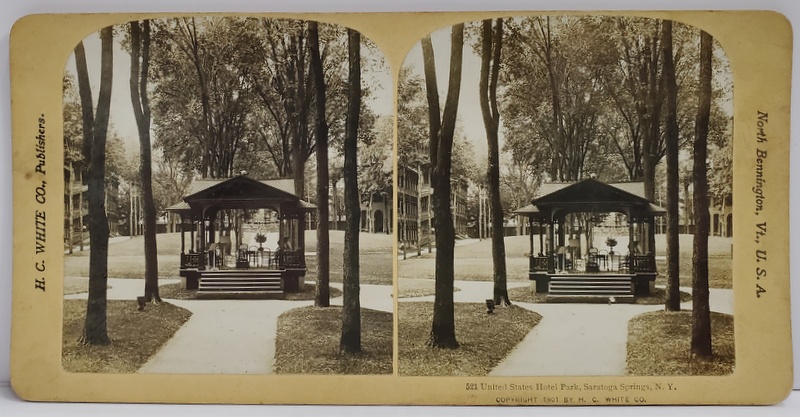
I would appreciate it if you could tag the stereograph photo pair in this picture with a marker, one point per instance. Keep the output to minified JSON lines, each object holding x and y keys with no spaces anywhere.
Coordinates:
{"x":477,"y":208}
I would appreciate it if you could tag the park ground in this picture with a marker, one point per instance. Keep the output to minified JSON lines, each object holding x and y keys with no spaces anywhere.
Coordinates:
{"x":641,"y":330}
{"x":493,"y":345}
{"x":238,"y":336}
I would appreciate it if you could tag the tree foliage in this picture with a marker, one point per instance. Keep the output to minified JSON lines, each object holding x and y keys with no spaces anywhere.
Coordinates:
{"x":591,"y":90}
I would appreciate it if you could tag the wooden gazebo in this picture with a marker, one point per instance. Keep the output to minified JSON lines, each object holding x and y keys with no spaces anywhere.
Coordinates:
{"x":203,"y":248}
{"x":559,"y":271}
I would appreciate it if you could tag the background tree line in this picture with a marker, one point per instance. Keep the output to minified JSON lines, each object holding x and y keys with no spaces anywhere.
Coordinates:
{"x":216,"y":96}
{"x":611,"y":97}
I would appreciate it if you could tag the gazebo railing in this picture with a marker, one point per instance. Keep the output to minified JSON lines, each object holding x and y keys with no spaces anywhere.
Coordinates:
{"x":291,"y":259}
{"x":643,"y":263}
{"x":190,"y":260}
{"x":538,"y":263}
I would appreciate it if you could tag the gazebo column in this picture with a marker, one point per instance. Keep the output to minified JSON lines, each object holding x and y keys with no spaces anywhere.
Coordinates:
{"x":212,"y":229}
{"x":183,"y":235}
{"x":651,"y":235}
{"x":541,"y":237}
{"x":530,"y":236}
{"x":191,"y":233}
{"x":631,"y":235}
{"x":551,"y":268}
{"x":202,"y":248}
{"x":301,"y":233}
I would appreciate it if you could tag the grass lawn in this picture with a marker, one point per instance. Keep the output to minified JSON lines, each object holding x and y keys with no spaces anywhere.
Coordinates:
{"x":126,"y":257}
{"x":76,"y":285}
{"x":309,"y":293}
{"x":720,"y":272}
{"x":473,"y":261}
{"x":524,"y":294}
{"x":488,"y":340}
{"x":375,"y":256}
{"x":720,"y":265}
{"x":307,"y":342}
{"x":409,"y":288}
{"x":176,"y":292}
{"x":659,"y":344}
{"x":135,"y":336}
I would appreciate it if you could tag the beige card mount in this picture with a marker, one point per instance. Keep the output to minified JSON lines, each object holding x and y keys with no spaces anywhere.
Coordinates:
{"x":522,"y":208}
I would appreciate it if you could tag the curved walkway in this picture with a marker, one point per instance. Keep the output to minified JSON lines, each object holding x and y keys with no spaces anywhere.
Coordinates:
{"x":223,"y":337}
{"x":227,"y":336}
{"x":572,"y":338}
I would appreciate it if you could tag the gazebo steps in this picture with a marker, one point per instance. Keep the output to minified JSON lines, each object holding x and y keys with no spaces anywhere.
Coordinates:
{"x":240,"y":284}
{"x":584,"y":288}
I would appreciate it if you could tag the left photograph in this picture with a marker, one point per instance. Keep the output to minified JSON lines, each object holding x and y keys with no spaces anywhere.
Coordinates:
{"x":228,"y":199}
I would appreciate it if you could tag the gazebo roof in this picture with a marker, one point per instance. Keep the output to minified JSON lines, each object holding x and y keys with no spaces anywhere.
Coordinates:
{"x":242,"y":192}
{"x":590,"y":194}
{"x":283,"y":184}
{"x":529,"y":209}
{"x":591,"y":191}
{"x":180,"y":207}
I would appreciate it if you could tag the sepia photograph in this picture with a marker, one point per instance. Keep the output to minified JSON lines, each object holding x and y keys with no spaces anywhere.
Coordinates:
{"x":228,"y":199}
{"x":566,"y":202}
{"x":453,"y":208}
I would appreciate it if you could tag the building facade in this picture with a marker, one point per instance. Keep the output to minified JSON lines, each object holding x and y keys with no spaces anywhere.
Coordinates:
{"x":415,"y":207}
{"x":76,"y":205}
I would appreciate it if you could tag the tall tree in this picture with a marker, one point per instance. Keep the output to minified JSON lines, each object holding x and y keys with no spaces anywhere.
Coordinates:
{"x":492,"y":42}
{"x":323,"y":295}
{"x":552,"y":98}
{"x":140,"y":66}
{"x":351,"y":305}
{"x":95,"y":129}
{"x":202,"y":103}
{"x":701,"y":312}
{"x":284,"y":82}
{"x":673,"y":302}
{"x":441,"y":132}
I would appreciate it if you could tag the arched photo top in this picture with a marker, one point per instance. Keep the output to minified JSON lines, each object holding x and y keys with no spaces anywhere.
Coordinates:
{"x":544,"y":126}
{"x":192,"y":141}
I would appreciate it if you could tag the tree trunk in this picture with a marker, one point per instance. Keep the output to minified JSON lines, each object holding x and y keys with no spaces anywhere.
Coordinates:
{"x":323,"y":296}
{"x":443,"y":327}
{"x":71,"y":226}
{"x":140,"y":49}
{"x":701,"y":312}
{"x":673,"y":302}
{"x":419,"y":210}
{"x":490,"y":62}
{"x":94,"y":137}
{"x":652,"y":120}
{"x":351,"y":305}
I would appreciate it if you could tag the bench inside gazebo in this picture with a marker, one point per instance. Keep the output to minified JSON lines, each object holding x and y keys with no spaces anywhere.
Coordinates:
{"x":212,"y":206}
{"x":565,"y":269}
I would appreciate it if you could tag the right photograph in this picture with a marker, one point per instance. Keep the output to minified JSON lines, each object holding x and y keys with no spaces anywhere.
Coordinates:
{"x":565,"y":200}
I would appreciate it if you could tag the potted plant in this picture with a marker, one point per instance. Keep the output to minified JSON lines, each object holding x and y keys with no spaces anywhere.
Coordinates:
{"x":611,"y":242}
{"x":261,"y":238}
